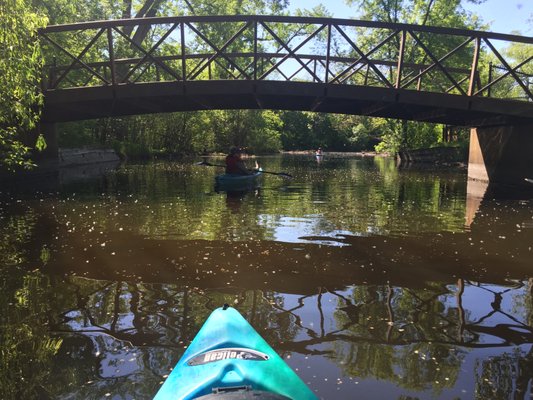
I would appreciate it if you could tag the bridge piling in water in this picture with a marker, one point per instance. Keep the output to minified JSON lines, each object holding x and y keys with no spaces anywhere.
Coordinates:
{"x":501,"y":154}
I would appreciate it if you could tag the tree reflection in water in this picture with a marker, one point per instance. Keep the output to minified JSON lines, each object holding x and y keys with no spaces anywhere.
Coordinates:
{"x":385,"y":294}
{"x":124,"y":338}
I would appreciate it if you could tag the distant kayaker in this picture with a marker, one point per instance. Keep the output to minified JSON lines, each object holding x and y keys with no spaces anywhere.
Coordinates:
{"x":235,"y":164}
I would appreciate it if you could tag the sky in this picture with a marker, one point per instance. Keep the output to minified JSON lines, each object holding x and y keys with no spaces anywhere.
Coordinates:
{"x":503,"y":16}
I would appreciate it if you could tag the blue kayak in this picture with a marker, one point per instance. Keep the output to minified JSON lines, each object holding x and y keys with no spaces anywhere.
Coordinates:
{"x":228,"y":359}
{"x":237,"y":181}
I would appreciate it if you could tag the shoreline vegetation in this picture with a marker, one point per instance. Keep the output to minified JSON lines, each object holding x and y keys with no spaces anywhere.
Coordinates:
{"x":447,"y":156}
{"x":96,"y":155}
{"x":91,"y":161}
{"x":339,"y":154}
{"x":435,"y":155}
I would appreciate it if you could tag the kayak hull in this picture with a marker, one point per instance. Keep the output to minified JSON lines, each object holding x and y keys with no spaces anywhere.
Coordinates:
{"x":228,"y":358}
{"x":237,"y":178}
{"x":236,"y":182}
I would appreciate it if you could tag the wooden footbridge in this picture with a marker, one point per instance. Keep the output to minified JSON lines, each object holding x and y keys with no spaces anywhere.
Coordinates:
{"x":150,"y":65}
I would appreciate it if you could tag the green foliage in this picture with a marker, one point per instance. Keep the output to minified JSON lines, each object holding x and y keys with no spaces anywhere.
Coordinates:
{"x":515,"y":53}
{"x":179,"y":133}
{"x":390,"y":143}
{"x":266,"y":138}
{"x":422,"y":135}
{"x":334,"y":132}
{"x":295,"y":133}
{"x":78,"y":134}
{"x":443,"y":13}
{"x":20,"y":65}
{"x":131,"y":150}
{"x":40,"y":144}
{"x":27,"y":349}
{"x":226,"y":7}
{"x":421,"y":12}
{"x":12,"y":152}
{"x":65,"y":11}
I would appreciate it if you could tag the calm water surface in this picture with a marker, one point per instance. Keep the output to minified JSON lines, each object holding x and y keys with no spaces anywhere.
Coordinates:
{"x":370,"y":281}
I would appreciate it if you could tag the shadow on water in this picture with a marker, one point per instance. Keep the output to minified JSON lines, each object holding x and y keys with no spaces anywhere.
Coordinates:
{"x":53,"y":180}
{"x":297,"y":268}
{"x":105,"y":286}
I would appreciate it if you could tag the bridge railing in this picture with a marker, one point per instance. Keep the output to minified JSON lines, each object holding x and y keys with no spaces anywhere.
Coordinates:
{"x":319,"y":50}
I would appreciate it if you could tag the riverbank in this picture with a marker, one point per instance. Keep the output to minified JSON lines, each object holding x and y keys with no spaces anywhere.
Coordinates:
{"x":71,"y":164}
{"x":338,"y":154}
{"x":82,"y":156}
{"x":446,"y":156}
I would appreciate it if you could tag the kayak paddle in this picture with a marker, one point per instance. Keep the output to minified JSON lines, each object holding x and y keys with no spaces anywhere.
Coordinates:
{"x":283,"y":174}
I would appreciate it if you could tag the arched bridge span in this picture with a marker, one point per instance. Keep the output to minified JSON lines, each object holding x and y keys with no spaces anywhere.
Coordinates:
{"x":150,"y":65}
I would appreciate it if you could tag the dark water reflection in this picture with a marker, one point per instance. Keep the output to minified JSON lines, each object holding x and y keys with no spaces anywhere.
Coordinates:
{"x":372,"y":282}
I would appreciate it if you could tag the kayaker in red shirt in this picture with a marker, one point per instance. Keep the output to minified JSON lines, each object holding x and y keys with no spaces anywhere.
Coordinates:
{"x":235,"y":164}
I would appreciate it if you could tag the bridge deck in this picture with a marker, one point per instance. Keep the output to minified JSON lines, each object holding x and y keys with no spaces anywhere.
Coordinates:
{"x":159,"y":97}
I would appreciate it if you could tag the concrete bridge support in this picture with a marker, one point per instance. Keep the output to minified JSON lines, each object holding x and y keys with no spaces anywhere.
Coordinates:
{"x":501,"y":154}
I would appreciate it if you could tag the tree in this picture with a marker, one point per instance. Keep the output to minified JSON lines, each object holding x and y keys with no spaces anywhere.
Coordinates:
{"x":20,"y":66}
{"x":295,"y":130}
{"x":445,"y":13}
{"x":515,"y":53}
{"x":420,"y":12}
{"x":172,"y":133}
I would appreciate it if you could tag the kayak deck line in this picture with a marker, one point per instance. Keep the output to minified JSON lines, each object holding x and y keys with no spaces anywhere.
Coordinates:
{"x":229,"y":360}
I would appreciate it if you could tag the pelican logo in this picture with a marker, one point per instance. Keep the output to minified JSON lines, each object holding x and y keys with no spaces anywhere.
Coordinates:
{"x":230,"y":353}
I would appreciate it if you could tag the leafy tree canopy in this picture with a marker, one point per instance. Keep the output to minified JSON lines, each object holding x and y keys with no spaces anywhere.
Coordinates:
{"x":20,"y":65}
{"x":445,"y":13}
{"x":421,"y":12}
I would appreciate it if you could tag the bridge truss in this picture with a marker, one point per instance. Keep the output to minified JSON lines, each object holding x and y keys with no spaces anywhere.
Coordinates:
{"x":379,"y":64}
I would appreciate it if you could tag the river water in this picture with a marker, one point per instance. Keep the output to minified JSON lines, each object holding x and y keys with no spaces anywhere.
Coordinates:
{"x":372,"y":282}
